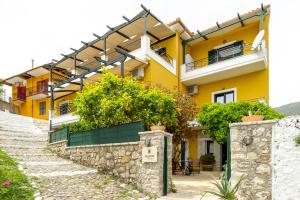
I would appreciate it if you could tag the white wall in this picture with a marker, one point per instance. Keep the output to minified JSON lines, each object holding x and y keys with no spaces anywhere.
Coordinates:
{"x":286,"y":159}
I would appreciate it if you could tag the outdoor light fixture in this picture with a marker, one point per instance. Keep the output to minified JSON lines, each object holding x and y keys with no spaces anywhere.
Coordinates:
{"x":148,"y":142}
{"x":247,"y":140}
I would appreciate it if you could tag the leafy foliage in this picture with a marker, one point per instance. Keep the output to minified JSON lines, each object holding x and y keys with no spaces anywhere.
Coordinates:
{"x":13,"y":183}
{"x":297,"y":140}
{"x":114,"y":101}
{"x":208,"y":159}
{"x":215,"y":118}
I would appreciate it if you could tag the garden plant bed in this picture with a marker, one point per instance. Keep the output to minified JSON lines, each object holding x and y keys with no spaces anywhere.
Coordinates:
{"x":14,"y":184}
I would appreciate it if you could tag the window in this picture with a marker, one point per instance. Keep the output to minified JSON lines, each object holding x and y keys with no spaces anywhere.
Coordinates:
{"x":63,"y":108}
{"x":224,"y":97}
{"x":42,"y":107}
{"x":226,"y":52}
{"x":42,"y":86}
{"x":209,"y":146}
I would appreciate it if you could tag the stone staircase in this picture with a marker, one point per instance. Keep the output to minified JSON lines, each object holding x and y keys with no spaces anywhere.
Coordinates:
{"x":25,"y":139}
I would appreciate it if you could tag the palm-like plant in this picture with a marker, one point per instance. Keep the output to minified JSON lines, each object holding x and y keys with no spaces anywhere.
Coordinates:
{"x":224,"y":188}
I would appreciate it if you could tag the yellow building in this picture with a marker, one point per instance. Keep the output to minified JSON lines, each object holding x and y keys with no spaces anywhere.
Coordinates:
{"x":220,"y":64}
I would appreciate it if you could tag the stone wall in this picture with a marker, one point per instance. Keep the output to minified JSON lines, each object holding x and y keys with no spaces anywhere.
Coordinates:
{"x":254,"y":160}
{"x":120,"y":159}
{"x":124,"y":160}
{"x":286,"y":159}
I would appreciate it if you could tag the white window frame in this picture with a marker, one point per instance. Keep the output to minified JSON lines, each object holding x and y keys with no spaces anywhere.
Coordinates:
{"x":223,"y":91}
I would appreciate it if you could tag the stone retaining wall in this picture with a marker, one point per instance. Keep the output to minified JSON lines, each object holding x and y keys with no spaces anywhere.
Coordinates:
{"x":120,"y":159}
{"x":124,"y":160}
{"x":252,"y":161}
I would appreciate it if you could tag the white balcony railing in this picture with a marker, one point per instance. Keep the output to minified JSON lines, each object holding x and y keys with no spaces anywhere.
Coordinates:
{"x":205,"y":71}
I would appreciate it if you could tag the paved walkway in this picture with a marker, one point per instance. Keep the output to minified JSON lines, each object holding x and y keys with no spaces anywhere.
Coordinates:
{"x":25,"y":140}
{"x":193,"y":187}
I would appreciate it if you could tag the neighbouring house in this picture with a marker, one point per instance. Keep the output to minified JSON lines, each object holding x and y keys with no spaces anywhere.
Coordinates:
{"x":219,"y":64}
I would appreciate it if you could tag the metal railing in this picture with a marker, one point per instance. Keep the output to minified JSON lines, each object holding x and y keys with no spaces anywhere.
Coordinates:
{"x":37,"y":89}
{"x":215,"y":59}
{"x":63,"y":110}
{"x":163,"y":53}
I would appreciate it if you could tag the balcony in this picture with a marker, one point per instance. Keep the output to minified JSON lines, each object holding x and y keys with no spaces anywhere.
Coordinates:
{"x":20,"y":95}
{"x":39,"y":91}
{"x":226,"y":64}
{"x":63,"y":115}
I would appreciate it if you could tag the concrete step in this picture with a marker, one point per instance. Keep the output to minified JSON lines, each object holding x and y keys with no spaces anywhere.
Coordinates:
{"x":36,"y":157}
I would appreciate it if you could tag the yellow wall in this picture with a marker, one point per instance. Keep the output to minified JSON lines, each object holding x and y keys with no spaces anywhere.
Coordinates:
{"x":248,"y":87}
{"x":31,"y":108}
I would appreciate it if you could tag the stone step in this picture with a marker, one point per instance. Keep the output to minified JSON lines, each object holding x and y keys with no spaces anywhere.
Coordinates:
{"x":15,"y":146}
{"x":63,"y":173}
{"x":23,"y":151}
{"x":56,"y":162}
{"x":36,"y":157}
{"x":31,"y":143}
{"x":22,"y":138}
{"x":6,"y":133}
{"x":62,"y":168}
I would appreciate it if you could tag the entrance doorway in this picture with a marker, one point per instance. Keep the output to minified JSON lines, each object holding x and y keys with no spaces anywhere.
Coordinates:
{"x":223,"y":155}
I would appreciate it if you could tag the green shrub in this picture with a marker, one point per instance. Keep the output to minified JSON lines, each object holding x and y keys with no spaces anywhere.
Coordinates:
{"x":208,"y":159}
{"x":215,"y":117}
{"x":297,"y":140}
{"x":114,"y":101}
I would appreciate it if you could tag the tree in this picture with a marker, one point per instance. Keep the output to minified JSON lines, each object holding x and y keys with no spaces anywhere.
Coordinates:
{"x":115,"y":100}
{"x":215,"y":117}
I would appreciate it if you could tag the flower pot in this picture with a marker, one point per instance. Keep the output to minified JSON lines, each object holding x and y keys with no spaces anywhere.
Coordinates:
{"x":157,"y":128}
{"x":252,"y":118}
{"x":207,"y":167}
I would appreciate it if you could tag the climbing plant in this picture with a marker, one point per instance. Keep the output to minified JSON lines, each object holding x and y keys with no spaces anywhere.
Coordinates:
{"x":215,"y":117}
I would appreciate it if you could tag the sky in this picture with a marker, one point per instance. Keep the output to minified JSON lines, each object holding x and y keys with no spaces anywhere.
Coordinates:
{"x":42,"y":30}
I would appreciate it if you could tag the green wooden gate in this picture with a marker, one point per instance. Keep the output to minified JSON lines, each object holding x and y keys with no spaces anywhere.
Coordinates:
{"x":165,"y":167}
{"x":228,"y":157}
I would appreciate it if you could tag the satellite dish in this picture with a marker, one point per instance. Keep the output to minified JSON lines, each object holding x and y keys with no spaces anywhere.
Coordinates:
{"x":258,"y":39}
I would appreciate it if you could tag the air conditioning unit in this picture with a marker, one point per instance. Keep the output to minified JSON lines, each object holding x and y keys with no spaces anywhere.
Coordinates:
{"x":193,"y":89}
{"x":138,"y":73}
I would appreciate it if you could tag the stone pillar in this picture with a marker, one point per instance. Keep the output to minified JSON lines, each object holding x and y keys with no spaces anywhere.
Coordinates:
{"x":150,"y":174}
{"x":252,"y":160}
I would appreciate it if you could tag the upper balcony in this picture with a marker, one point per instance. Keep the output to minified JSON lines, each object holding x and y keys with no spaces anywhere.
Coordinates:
{"x":20,"y":95}
{"x":38,"y":91}
{"x":224,"y":62}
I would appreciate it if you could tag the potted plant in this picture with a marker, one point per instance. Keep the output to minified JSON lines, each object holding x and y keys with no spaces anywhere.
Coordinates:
{"x":252,"y":118}
{"x":207,"y":161}
{"x":158,"y":126}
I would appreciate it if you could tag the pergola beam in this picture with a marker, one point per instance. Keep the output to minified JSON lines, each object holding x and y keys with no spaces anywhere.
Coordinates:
{"x":117,"y":31}
{"x":125,"y":49}
{"x":201,"y":35}
{"x":241,"y":21}
{"x":92,"y":46}
{"x":152,"y":35}
{"x":218,"y":25}
{"x":64,"y":91}
{"x":84,"y":68}
{"x":64,"y":96}
{"x":67,"y":56}
{"x":126,"y":18}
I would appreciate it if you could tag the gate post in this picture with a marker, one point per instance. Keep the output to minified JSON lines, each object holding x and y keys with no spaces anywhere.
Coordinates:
{"x":155,"y":170}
